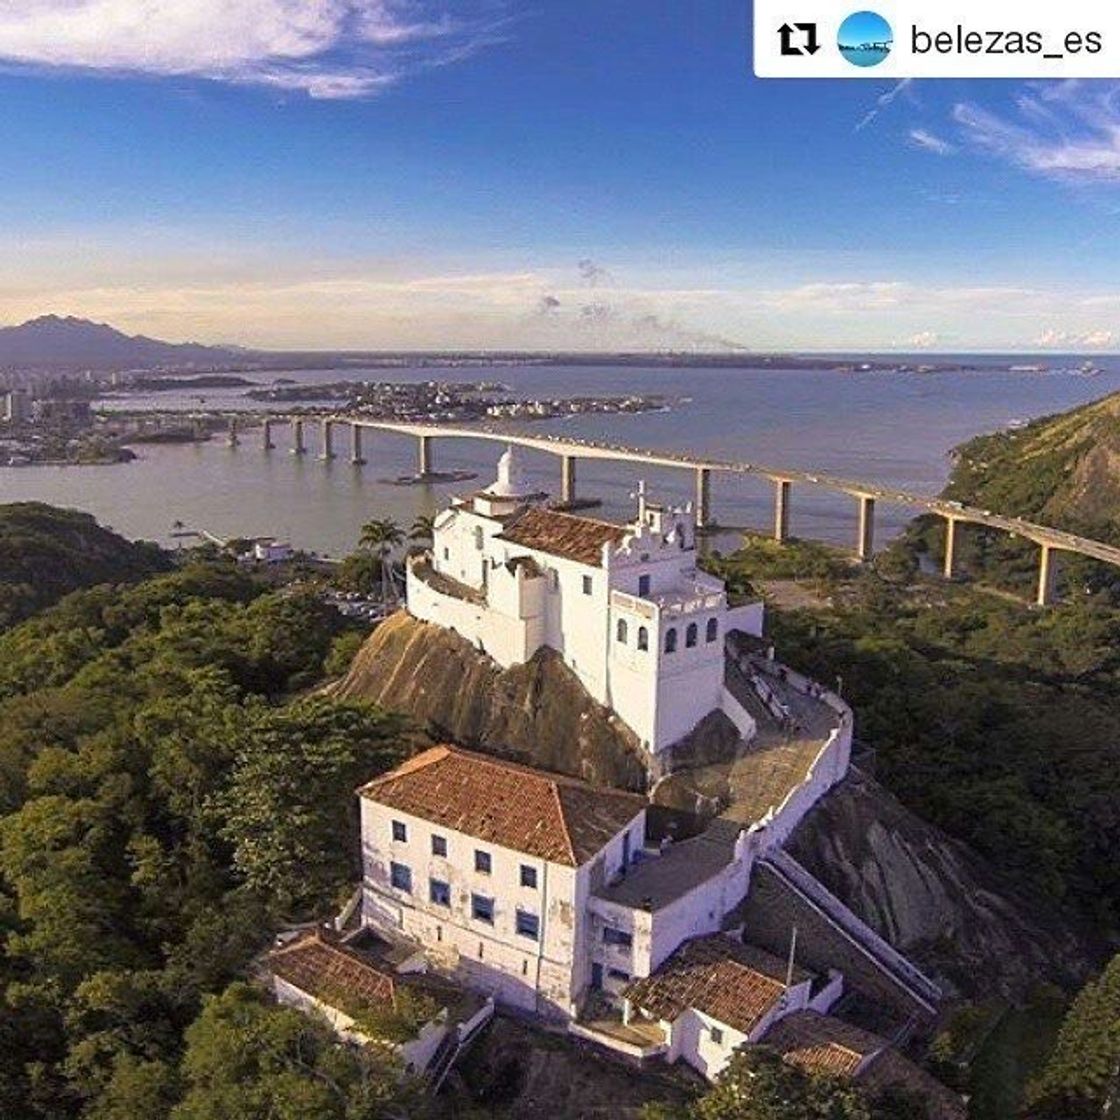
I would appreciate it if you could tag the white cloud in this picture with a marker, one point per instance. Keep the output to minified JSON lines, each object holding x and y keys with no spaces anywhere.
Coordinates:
{"x":326,"y":48}
{"x":1052,"y":338}
{"x":482,"y":304}
{"x":884,"y":101}
{"x":924,"y":340}
{"x":1062,"y":130}
{"x":928,"y":142}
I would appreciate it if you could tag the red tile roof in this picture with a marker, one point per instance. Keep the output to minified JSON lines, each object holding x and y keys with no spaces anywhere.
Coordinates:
{"x":821,"y":1044}
{"x":332,"y":973}
{"x":728,"y":981}
{"x":562,"y":534}
{"x":541,"y":814}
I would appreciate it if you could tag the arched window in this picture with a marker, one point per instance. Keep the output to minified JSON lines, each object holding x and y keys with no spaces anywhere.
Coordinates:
{"x":671,"y":640}
{"x":478,"y":539}
{"x":643,"y":638}
{"x":713,"y":629}
{"x":621,"y":631}
{"x":691,"y":634}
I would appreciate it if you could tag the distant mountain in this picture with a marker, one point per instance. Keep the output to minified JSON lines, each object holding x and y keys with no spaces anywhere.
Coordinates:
{"x":52,"y":341}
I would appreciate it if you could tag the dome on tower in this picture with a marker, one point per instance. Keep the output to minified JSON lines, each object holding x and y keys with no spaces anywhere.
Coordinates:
{"x":510,"y":482}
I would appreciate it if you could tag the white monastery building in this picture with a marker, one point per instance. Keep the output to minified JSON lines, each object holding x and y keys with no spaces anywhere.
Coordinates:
{"x":546,"y":894}
{"x":589,"y":905}
{"x":624,"y":605}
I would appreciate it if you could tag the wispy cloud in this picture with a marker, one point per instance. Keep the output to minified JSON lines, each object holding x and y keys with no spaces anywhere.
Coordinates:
{"x":1062,"y":130}
{"x":324,"y":48}
{"x":928,"y":142}
{"x":884,"y":101}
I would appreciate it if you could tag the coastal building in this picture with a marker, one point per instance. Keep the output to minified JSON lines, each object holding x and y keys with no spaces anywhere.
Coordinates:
{"x":489,"y":866}
{"x":625,"y":606}
{"x":716,"y":994}
{"x":16,"y":407}
{"x":394,"y":1004}
{"x":269,"y":551}
{"x":651,"y":933}
{"x":568,"y":901}
{"x":552,"y":896}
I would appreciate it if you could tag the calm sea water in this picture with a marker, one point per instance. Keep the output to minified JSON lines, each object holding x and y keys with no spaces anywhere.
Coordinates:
{"x":896,"y":429}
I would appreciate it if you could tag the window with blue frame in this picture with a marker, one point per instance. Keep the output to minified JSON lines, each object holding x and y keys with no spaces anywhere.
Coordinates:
{"x":439,"y":845}
{"x":617,"y":937}
{"x":528,"y":925}
{"x":400,"y":832}
{"x":400,"y":875}
{"x":482,"y":908}
{"x":482,"y":861}
{"x":528,"y":876}
{"x":439,"y":892}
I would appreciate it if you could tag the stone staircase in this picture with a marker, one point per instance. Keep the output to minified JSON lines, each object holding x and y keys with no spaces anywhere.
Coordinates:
{"x":450,"y":1048}
{"x":784,"y":895}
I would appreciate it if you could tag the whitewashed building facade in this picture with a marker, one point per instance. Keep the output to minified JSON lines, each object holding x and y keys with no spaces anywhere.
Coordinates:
{"x":624,"y":605}
{"x":490,"y":867}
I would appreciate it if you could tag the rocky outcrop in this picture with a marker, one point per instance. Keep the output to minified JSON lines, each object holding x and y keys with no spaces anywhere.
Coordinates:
{"x":524,"y":1074}
{"x":934,"y":899}
{"x":537,"y":713}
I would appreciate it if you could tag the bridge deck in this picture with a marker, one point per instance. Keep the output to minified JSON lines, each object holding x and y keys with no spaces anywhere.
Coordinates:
{"x":1042,"y":535}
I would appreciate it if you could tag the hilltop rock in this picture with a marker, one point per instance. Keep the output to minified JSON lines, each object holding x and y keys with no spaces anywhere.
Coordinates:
{"x":537,"y":713}
{"x":935,"y":899}
{"x":525,"y":1074}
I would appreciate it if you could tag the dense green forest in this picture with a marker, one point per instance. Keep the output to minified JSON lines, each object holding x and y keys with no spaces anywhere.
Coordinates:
{"x":172,"y":790}
{"x":1062,"y":471}
{"x":168,"y":796}
{"x":47,"y":552}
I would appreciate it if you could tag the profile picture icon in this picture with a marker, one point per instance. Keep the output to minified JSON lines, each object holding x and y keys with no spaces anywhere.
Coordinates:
{"x":865,"y":38}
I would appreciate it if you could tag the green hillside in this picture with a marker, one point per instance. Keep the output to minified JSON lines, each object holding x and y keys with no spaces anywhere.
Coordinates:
{"x":1061,"y":470}
{"x":46,"y":553}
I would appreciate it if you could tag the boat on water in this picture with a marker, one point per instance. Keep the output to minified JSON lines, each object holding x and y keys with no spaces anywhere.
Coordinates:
{"x":1026,"y":369}
{"x":431,"y":476}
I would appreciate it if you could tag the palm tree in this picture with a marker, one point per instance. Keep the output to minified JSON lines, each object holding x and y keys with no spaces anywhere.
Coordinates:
{"x":381,"y":536}
{"x":423,"y":528}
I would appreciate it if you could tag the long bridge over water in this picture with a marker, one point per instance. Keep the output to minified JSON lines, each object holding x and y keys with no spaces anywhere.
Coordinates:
{"x":569,"y":451}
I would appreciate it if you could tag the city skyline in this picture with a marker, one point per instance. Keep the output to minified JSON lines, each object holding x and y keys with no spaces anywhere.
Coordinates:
{"x":468,"y":175}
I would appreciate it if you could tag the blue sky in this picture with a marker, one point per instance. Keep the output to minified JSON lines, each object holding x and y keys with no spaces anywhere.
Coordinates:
{"x":585,"y":174}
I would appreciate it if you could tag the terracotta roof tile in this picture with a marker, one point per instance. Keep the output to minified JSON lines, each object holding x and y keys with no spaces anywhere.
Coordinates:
{"x":562,"y":534}
{"x":731,"y":982}
{"x":821,"y":1044}
{"x":541,"y":814}
{"x":331,"y":973}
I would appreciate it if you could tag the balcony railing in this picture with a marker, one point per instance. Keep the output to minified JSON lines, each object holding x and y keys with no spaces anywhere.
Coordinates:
{"x":681,"y":601}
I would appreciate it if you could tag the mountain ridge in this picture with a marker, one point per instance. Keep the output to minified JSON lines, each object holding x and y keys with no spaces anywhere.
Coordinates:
{"x":62,"y":341}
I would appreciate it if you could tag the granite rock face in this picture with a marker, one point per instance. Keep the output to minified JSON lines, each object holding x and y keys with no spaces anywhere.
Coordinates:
{"x":520,"y":1073}
{"x":935,"y":899}
{"x":537,"y":714}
